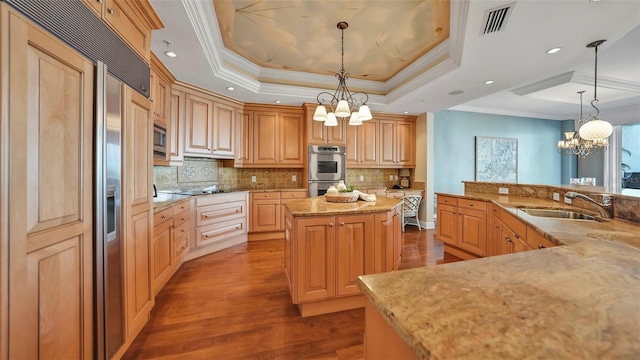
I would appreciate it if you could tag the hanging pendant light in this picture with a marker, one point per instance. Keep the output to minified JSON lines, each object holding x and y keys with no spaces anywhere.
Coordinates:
{"x":342,"y":103}
{"x":574,"y":144}
{"x":596,"y":129}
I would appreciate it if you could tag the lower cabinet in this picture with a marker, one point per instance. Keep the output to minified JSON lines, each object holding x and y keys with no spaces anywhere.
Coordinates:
{"x":324,"y":255}
{"x":171,"y":228}
{"x":267,"y":215}
{"x":462,"y":224}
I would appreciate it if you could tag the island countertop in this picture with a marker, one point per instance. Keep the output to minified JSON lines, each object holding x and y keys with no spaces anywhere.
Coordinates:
{"x":579,"y":300}
{"x":319,"y":206}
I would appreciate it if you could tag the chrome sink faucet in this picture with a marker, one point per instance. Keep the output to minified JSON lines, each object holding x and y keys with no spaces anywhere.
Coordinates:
{"x":605,"y":208}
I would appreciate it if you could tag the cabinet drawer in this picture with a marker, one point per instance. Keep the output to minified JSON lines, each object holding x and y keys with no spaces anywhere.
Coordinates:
{"x":473,"y":204}
{"x":207,"y":215}
{"x":381,"y":192}
{"x":293,"y":195}
{"x":447,"y":200}
{"x":220,"y":231}
{"x":265,"y":195}
{"x":180,"y":218}
{"x":183,"y":206}
{"x":181,"y":246}
{"x":516,"y":226}
{"x":162,"y":216}
{"x":179,"y":231}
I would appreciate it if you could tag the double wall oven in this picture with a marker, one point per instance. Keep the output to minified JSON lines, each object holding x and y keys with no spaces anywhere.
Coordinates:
{"x":327,"y":166}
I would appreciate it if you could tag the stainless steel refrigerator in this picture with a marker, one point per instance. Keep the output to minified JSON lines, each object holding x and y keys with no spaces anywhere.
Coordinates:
{"x":109,"y":282}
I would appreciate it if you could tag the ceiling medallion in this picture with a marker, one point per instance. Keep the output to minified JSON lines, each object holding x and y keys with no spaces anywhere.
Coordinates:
{"x":342,"y":103}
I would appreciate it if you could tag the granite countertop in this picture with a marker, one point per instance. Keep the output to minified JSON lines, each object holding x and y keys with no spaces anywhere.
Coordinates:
{"x":274,"y":190}
{"x":579,"y":300}
{"x":319,"y":206}
{"x":165,"y":201}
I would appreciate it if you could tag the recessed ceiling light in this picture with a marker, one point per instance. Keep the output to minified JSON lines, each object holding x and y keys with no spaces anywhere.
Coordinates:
{"x":277,"y":101}
{"x":489,"y":82}
{"x":554,"y":50}
{"x":405,"y":112}
{"x":456,"y":92}
{"x":170,"y":54}
{"x":230,"y":88}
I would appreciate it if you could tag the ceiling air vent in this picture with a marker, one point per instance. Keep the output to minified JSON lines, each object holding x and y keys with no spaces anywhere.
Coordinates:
{"x":495,"y":19}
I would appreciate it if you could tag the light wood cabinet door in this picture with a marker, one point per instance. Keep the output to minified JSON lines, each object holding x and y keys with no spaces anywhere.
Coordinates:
{"x":537,"y":241}
{"x":315,"y":256}
{"x":406,"y":143}
{"x":362,"y":145}
{"x":223,"y":130}
{"x":265,"y":138}
{"x":318,"y":134}
{"x":354,"y":251}
{"x":46,"y":167}
{"x":175,"y":126}
{"x":137,"y":218}
{"x":198,"y":125}
{"x":447,"y":224}
{"x":290,"y":141}
{"x":288,"y":250}
{"x":473,"y":231}
{"x":162,"y":252}
{"x":384,"y":242}
{"x":244,"y":137}
{"x":265,"y":215}
{"x":387,"y":145}
{"x":123,"y":20}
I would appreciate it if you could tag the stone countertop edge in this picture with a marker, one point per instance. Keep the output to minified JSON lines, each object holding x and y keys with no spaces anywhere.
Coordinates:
{"x":318,"y":206}
{"x":584,"y":295}
{"x":169,"y":201}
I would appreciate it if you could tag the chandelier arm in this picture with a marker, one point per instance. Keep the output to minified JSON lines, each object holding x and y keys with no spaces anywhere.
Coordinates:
{"x":320,"y":99}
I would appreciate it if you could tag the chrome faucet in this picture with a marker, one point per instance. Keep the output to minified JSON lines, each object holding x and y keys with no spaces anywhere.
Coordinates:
{"x":605,"y":208}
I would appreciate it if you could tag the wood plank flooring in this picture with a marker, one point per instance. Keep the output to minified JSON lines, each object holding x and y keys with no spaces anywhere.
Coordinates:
{"x":235,"y":304}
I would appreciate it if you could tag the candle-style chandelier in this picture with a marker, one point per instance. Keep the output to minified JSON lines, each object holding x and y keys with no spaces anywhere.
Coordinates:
{"x":573,"y":144}
{"x":342,"y":103}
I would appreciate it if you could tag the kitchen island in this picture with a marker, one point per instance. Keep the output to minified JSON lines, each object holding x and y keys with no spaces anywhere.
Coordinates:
{"x":577,"y":300}
{"x":328,"y":245}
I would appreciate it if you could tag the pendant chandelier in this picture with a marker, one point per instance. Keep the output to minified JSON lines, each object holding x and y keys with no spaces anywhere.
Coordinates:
{"x":573,"y":144}
{"x":595,"y":129}
{"x":342,"y":103}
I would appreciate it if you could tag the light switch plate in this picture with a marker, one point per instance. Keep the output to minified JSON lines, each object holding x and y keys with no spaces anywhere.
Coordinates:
{"x":293,"y":178}
{"x":503,"y":191}
{"x":396,"y":176}
{"x":556,"y":196}
{"x":567,"y":200}
{"x":391,"y":177}
{"x":253,"y":178}
{"x":361,"y":177}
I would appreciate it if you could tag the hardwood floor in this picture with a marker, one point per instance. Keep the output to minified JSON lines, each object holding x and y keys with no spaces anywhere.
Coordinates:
{"x":235,"y":304}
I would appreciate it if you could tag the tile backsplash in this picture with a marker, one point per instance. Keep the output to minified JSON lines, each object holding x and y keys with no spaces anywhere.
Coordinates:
{"x":199,"y":173}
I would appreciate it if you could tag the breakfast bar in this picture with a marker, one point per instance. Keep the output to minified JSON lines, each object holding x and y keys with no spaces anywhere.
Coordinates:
{"x":329,"y":244}
{"x":578,"y":299}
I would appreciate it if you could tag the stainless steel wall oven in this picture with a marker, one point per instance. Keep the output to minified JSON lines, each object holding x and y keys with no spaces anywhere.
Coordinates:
{"x":327,"y":166}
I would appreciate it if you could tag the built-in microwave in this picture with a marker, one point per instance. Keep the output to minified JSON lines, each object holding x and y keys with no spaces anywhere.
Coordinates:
{"x":159,"y":141}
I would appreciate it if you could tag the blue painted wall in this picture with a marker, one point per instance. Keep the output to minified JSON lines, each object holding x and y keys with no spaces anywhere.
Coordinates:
{"x":454,"y":147}
{"x":569,"y":164}
{"x":631,"y":142}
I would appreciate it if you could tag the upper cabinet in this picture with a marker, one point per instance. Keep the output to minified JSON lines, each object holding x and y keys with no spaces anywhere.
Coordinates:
{"x":276,"y":135}
{"x":385,"y":141}
{"x":161,"y":81}
{"x":318,"y":134}
{"x":209,"y":123}
{"x":131,"y":20}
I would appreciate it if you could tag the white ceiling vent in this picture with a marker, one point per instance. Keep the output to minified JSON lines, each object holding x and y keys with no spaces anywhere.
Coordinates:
{"x":495,"y":19}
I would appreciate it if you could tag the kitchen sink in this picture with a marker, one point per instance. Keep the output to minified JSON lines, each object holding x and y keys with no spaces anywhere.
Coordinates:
{"x":560,"y":214}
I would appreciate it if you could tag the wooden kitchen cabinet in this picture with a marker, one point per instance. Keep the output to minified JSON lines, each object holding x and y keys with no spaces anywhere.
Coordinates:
{"x":362,"y":145}
{"x":462,"y":224}
{"x":210,"y":127}
{"x":161,"y":110}
{"x":315,"y":258}
{"x":513,"y":234}
{"x":46,"y":165}
{"x":397,"y":143}
{"x":265,"y":212}
{"x":131,"y":20}
{"x":244,"y":138}
{"x":277,"y":136}
{"x":318,"y":134}
{"x":387,"y":240}
{"x":162,"y":249}
{"x":536,"y":241}
{"x":354,"y":251}
{"x":176,"y":128}
{"x":137,"y":208}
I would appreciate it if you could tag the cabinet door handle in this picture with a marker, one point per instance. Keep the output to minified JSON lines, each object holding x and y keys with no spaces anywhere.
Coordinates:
{"x":517,"y":236}
{"x":470,"y":204}
{"x":330,"y":224}
{"x":101,"y":1}
{"x":341,"y":223}
{"x":508,"y":239}
{"x":111,"y":11}
{"x":540,"y":246}
{"x":173,"y":226}
{"x":164,"y":217}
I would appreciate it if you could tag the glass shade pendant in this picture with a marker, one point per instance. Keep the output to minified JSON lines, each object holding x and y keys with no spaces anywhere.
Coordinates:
{"x":364,"y":113}
{"x":320,"y":114}
{"x":355,"y":119}
{"x":331,"y":120}
{"x":342,"y":110}
{"x":596,"y":129}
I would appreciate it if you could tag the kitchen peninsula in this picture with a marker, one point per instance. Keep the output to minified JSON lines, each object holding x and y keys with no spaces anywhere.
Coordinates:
{"x":578,"y":299}
{"x":328,"y":245}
